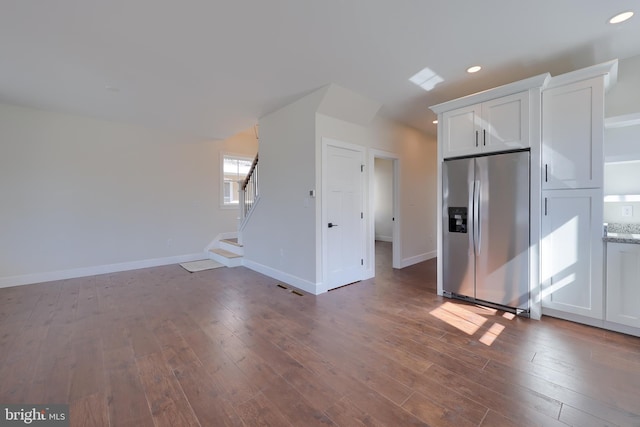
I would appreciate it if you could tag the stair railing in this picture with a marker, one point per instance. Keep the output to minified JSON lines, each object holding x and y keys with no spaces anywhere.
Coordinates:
{"x":249,"y":191}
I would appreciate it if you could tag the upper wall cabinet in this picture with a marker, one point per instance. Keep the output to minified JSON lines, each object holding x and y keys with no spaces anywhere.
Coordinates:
{"x":460,"y":127}
{"x":499,"y":124}
{"x":572,"y":135}
{"x":500,"y":119}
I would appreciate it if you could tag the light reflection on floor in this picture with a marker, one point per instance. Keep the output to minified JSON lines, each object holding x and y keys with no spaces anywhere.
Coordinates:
{"x":490,"y":336}
{"x":470,"y":318}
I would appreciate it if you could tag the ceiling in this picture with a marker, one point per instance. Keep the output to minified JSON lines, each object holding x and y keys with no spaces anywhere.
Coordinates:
{"x":212,"y":68}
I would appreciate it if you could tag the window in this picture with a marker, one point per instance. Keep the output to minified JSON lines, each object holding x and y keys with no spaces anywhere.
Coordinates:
{"x":234,"y":170}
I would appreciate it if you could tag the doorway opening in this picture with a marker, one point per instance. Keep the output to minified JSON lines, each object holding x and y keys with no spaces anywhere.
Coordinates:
{"x":384,"y":204}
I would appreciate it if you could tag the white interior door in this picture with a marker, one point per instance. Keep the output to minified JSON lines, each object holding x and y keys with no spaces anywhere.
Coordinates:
{"x":344,"y":223}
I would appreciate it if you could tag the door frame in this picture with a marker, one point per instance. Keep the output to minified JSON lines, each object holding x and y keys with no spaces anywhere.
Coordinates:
{"x":326,"y":142}
{"x":371,"y":240}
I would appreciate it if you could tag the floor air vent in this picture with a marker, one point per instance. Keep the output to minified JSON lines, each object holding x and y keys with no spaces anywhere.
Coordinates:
{"x":293,"y":291}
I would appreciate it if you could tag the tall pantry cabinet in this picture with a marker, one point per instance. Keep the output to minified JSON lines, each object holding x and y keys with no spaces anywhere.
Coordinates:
{"x":571,"y":246}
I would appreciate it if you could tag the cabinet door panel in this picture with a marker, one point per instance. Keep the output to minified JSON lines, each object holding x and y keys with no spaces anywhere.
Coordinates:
{"x":623,"y":283}
{"x":505,"y":123}
{"x":572,"y":252}
{"x":460,"y":131}
{"x":572,"y":135}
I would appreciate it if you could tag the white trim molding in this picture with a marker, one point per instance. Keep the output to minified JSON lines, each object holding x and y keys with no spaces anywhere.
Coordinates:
{"x":74,"y":273}
{"x":598,"y":323}
{"x":289,"y":279}
{"x":509,"y":89}
{"x":406,"y":262}
{"x":622,"y":121}
{"x":609,"y":69}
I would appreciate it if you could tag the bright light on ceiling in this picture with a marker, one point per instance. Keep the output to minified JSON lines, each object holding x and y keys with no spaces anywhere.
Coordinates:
{"x":474,"y":69}
{"x":435,"y":122}
{"x":621,"y":17}
{"x":426,"y":78}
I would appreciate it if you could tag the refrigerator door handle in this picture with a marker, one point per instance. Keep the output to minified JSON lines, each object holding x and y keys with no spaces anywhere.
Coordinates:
{"x":476,"y":216}
{"x":472,"y":225}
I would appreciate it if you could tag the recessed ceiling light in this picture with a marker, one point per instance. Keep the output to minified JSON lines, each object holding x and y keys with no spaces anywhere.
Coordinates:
{"x":474,"y":69}
{"x":435,"y":122}
{"x":621,"y":17}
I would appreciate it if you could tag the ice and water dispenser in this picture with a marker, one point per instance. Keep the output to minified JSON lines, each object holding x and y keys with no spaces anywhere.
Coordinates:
{"x":458,"y":220}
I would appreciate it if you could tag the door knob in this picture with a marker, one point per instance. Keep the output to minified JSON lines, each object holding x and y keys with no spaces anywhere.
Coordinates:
{"x":331,"y":225}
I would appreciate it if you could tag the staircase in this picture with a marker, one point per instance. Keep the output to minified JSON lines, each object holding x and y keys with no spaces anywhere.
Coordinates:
{"x":227,"y":251}
{"x":227,"y":248}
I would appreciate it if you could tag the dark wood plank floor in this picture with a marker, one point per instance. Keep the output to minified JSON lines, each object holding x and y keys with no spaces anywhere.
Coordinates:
{"x":164,"y":347}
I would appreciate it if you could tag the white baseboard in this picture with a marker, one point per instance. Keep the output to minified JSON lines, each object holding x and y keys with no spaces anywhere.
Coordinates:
{"x":287,"y":278}
{"x":406,"y":262}
{"x":384,"y":238}
{"x":28,"y":279}
{"x":598,"y":323}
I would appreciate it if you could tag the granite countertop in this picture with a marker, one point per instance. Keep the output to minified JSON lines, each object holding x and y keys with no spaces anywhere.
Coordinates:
{"x":622,"y":233}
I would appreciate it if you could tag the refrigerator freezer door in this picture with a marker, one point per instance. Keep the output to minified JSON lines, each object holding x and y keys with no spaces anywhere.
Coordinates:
{"x":458,"y":255}
{"x":502,"y":254}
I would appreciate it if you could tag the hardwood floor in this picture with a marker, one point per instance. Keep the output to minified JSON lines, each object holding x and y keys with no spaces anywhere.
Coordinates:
{"x":228,"y":347}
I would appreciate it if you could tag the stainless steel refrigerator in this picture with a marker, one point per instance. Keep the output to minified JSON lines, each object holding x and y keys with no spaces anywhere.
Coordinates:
{"x":486,"y":229}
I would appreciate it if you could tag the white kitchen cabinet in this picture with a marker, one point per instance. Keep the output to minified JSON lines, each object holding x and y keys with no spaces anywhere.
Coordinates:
{"x":572,"y":135}
{"x":499,"y":124}
{"x":623,"y":284}
{"x":572,"y":253}
{"x":460,"y":126}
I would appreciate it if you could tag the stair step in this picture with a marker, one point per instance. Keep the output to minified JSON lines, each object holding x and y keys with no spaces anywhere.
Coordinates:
{"x":225,"y":253}
{"x":233,"y":242}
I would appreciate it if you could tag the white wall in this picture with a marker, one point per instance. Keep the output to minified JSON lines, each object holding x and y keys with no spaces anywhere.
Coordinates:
{"x":417,"y":154}
{"x":79,"y":193}
{"x":613,"y":212}
{"x":283,"y":237}
{"x":418,"y":187}
{"x":622,"y":144}
{"x":624,"y":97}
{"x":383,"y":199}
{"x":621,"y":179}
{"x":280,"y":237}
